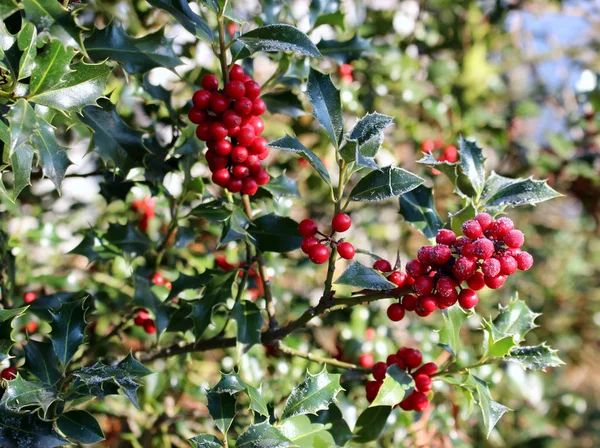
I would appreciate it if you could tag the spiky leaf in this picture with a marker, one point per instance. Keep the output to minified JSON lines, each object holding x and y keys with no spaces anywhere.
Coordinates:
{"x":316,"y":392}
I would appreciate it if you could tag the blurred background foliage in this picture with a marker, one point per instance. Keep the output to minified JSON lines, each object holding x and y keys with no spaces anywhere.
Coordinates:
{"x":521,"y":76}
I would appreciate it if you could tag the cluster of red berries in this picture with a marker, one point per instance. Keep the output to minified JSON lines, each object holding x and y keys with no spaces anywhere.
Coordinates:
{"x":395,"y":312}
{"x":449,"y":154}
{"x":256,"y":288}
{"x":486,"y":255}
{"x":410,"y":360}
{"x":234,"y":113}
{"x":345,"y":72}
{"x":317,"y":251}
{"x":142,"y":317}
{"x":146,"y":211}
{"x":10,"y":373}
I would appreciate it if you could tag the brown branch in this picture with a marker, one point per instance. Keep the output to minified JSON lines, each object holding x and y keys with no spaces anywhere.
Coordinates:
{"x":320,"y":359}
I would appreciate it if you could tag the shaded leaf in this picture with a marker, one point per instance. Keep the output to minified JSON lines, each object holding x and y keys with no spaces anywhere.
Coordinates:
{"x":20,"y":163}
{"x":370,"y":423}
{"x":249,"y":325}
{"x":282,"y":186}
{"x":27,"y":431}
{"x":205,"y":441}
{"x":68,"y":329}
{"x":21,"y":394}
{"x":144,"y":297}
{"x":185,"y":282}
{"x":218,"y":290}
{"x":27,"y":44}
{"x":326,"y":104}
{"x":53,"y":157}
{"x":315,"y":393}
{"x":263,"y":435}
{"x":286,"y":103}
{"x":279,"y":37}
{"x":289,"y":143}
{"x":222,"y":410}
{"x":41,"y":361}
{"x":491,"y":410}
{"x":22,"y":119}
{"x":384,"y":183}
{"x":50,"y":14}
{"x":454,"y":318}
{"x":361,"y":276}
{"x":418,"y":209}
{"x":273,"y":233}
{"x":127,"y":239}
{"x":346,"y":51}
{"x":464,"y":214}
{"x":235,"y":227}
{"x":80,"y":426}
{"x":338,"y":427}
{"x":191,"y":21}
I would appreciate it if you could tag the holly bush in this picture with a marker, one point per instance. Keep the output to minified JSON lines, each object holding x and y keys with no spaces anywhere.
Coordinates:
{"x":269,"y":225}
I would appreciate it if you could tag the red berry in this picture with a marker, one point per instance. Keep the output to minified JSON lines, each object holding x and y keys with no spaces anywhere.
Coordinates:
{"x":426,"y":369}
{"x":218,"y":103}
{"x":139,"y":320}
{"x":444,"y":302}
{"x":367,"y":360}
{"x":407,"y":403}
{"x":379,"y":371}
{"x":202,"y":131}
{"x":243,"y":106}
{"x":9,"y":373}
{"x":223,"y":147}
{"x":231,"y":119}
{"x":483,"y":248}
{"x":485,"y":220}
{"x":524,"y":261}
{"x":341,"y":222}
{"x":308,"y":243}
{"x":502,"y":226}
{"x":246,"y":135}
{"x":210,"y":82}
{"x":467,"y":299}
{"x":446,"y":286}
{"x":319,"y":254}
{"x":420,"y":402}
{"x":409,"y":302}
{"x":414,"y":268}
{"x":240,"y":171}
{"x":215,"y":161}
{"x":258,"y":146}
{"x":450,"y":154}
{"x":395,"y":312}
{"x":508,"y":265}
{"x":397,"y":278}
{"x":257,"y":124}
{"x":472,"y":229}
{"x":249,"y":186}
{"x":308,"y":227}
{"x":201,"y":99}
{"x":221,"y":177}
{"x":252,"y":89}
{"x":427,"y":304}
{"x":476,"y":282}
{"x":423,"y":383}
{"x":445,"y":236}
{"x":372,"y":389}
{"x":232,"y":132}
{"x":427,"y":146}
{"x":514,"y":239}
{"x":239,"y":154}
{"x":149,"y":326}
{"x":425,"y":254}
{"x":382,"y":266}
{"x":423,"y":285}
{"x":236,"y":73}
{"x":258,"y":107}
{"x":234,"y":185}
{"x":262,"y":177}
{"x":197,"y":116}
{"x":468,"y":250}
{"x":235,"y":89}
{"x":263,"y":155}
{"x":393,"y":359}
{"x":346,"y":250}
{"x":217,"y":131}
{"x":412,"y":358}
{"x":441,"y":254}
{"x":495,"y":282}
{"x":31,"y":327}
{"x":490,"y":267}
{"x":464,"y":268}
{"x":29,"y":297}
{"x":158,"y":279}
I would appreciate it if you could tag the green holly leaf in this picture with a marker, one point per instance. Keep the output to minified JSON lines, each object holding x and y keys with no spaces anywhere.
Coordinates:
{"x":181,"y":11}
{"x":92,"y":248}
{"x":537,"y":357}
{"x":101,"y":380}
{"x":68,"y":329}
{"x":289,"y":143}
{"x":365,"y":139}
{"x":448,"y":168}
{"x":274,"y":233}
{"x":50,"y":14}
{"x":285,"y":103}
{"x":418,"y":209}
{"x":136,"y":55}
{"x":51,"y":66}
{"x":114,"y":141}
{"x":370,"y":424}
{"x":41,"y":361}
{"x":279,"y":37}
{"x":326,"y":104}
{"x":454,"y":318}
{"x":222,"y":410}
{"x":231,"y":383}
{"x":249,"y":324}
{"x":501,"y":192}
{"x":127,"y":239}
{"x":384,"y":183}
{"x":282,"y":186}
{"x":235,"y":227}
{"x":471,"y":162}
{"x":363,"y":277}
{"x":144,"y":297}
{"x":491,"y":410}
{"x":205,"y":441}
{"x":263,"y":435}
{"x":7,"y":9}
{"x":257,"y":400}
{"x":21,"y":394}
{"x":464,"y":214}
{"x":21,"y":119}
{"x":80,"y":426}
{"x":27,"y":44}
{"x":185,"y":282}
{"x":514,"y":320}
{"x":53,"y":157}
{"x":316,"y":392}
{"x":213,"y":211}
{"x":27,"y":431}
{"x":305,"y":434}
{"x":218,"y":290}
{"x":338,"y":427}
{"x":395,"y":387}
{"x":6,"y":330}
{"x":346,"y":51}
{"x":21,"y":168}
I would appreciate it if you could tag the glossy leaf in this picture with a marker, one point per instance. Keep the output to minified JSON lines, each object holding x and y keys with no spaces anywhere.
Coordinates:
{"x":365,"y":139}
{"x":27,"y":44}
{"x":20,"y":162}
{"x":395,"y":387}
{"x":346,"y":51}
{"x":235,"y":227}
{"x":449,"y":169}
{"x":538,"y":357}
{"x":326,"y":104}
{"x":361,"y":276}
{"x":6,"y":329}
{"x":454,"y":318}
{"x":218,"y":290}
{"x":136,"y":55}
{"x":127,"y":239}
{"x":491,"y":410}
{"x":21,"y":394}
{"x":384,"y":183}
{"x":316,"y":392}
{"x":80,"y":426}
{"x":41,"y":361}
{"x":515,"y":320}
{"x":279,"y":37}
{"x":274,"y":233}
{"x":185,"y":282}
{"x":45,"y":13}
{"x":289,"y":143}
{"x":222,"y":410}
{"x":231,"y":383}
{"x":286,"y":103}
{"x":249,"y":324}
{"x":282,"y":186}
{"x":370,"y":423}
{"x":418,"y":209}
{"x":182,"y":12}
{"x":51,"y":67}
{"x":27,"y":431}
{"x":53,"y":157}
{"x":338,"y":427}
{"x":22,"y":119}
{"x":471,"y":162}
{"x":68,"y":329}
{"x":263,"y":435}
{"x":305,"y":434}
{"x":205,"y":441}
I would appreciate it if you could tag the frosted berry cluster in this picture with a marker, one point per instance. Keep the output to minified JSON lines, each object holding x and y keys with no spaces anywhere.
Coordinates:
{"x":316,"y":247}
{"x":229,"y":122}
{"x":455,"y":268}
{"x":410,"y":360}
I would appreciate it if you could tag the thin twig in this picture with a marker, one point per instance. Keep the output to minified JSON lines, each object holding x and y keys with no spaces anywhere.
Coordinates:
{"x":320,"y":359}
